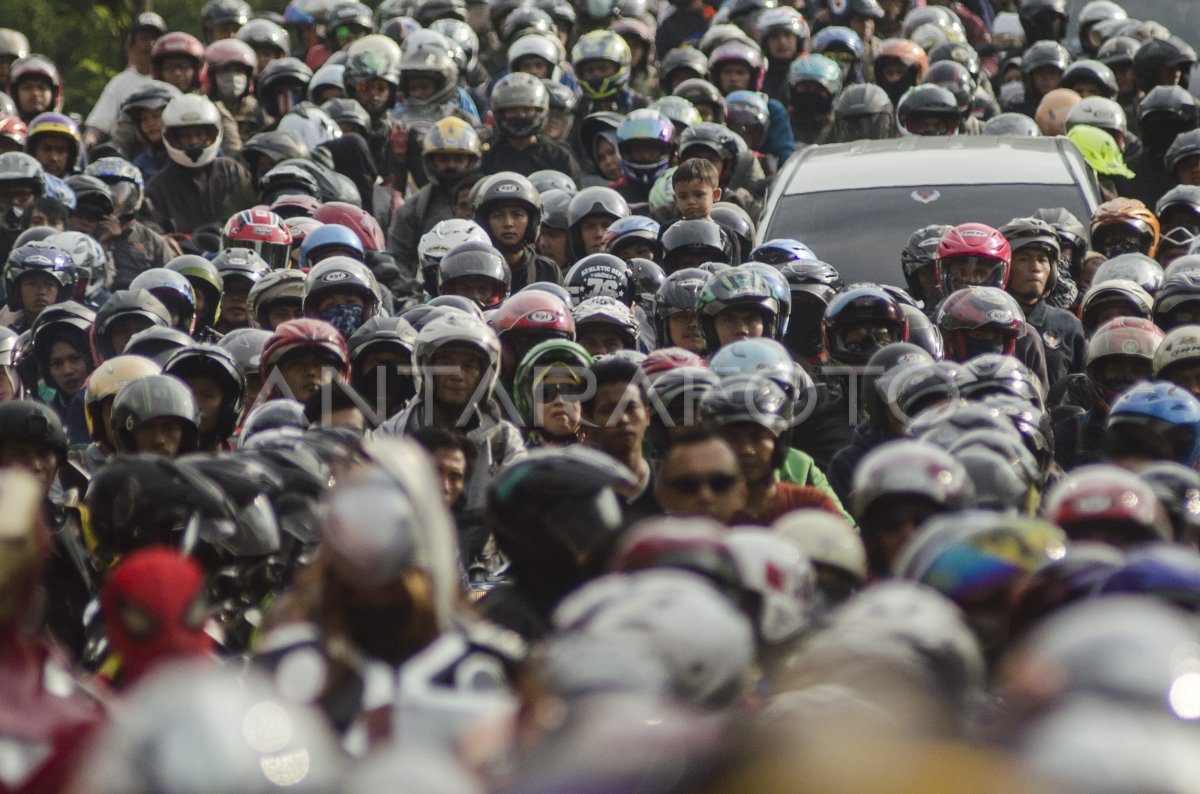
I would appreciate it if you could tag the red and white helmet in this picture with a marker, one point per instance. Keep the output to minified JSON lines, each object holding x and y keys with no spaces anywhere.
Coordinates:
{"x":780,"y":579}
{"x":261,"y":231}
{"x":973,"y":255}
{"x":1105,"y":498}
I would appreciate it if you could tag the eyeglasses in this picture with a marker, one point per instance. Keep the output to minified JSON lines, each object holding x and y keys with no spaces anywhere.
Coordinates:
{"x":691,"y":484}
{"x":549,"y":392}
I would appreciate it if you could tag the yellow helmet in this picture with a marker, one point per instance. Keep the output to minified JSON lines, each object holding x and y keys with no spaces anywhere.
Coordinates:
{"x":104,"y":382}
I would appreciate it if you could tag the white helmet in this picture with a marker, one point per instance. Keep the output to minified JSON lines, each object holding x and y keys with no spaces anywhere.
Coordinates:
{"x":826,"y":539}
{"x":192,"y":110}
{"x":706,"y":644}
{"x":447,"y":234}
{"x":920,"y":618}
{"x":331,"y":74}
{"x":457,"y":330}
{"x":310,"y":124}
{"x":545,"y":47}
{"x":780,"y":576}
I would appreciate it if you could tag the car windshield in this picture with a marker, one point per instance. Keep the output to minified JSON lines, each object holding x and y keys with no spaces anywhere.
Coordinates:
{"x":841,"y":226}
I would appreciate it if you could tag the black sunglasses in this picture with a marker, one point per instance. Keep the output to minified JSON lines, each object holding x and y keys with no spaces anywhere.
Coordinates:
{"x":690,"y":484}
{"x":549,"y":392}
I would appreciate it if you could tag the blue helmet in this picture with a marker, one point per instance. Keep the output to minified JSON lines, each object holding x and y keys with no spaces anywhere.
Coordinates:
{"x":1163,"y":570}
{"x":781,"y":250}
{"x":331,"y":235}
{"x":845,"y":47}
{"x":625,"y":230}
{"x":60,"y":191}
{"x":764,"y":357}
{"x":816,"y":68}
{"x":42,"y":257}
{"x":645,"y":127}
{"x":779,"y":288}
{"x":1162,"y":411}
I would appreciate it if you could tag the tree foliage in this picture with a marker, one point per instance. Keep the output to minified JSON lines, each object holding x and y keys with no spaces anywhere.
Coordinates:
{"x":86,"y":40}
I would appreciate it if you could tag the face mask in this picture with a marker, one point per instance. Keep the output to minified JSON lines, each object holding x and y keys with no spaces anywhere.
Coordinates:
{"x":232,"y":85}
{"x":345,"y":317}
{"x":11,"y":219}
{"x":810,"y":107}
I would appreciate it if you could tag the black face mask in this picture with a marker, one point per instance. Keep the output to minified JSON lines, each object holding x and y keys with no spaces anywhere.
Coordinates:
{"x":1159,"y":131}
{"x":810,"y":109}
{"x":386,"y":384}
{"x":803,"y":336}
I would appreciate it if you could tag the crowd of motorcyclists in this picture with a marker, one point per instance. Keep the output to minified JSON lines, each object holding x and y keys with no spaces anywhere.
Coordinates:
{"x":401,"y":399}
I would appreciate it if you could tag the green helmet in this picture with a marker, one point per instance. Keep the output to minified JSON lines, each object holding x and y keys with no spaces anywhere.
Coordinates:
{"x":735,"y":287}
{"x":1100,"y":150}
{"x":662,"y":197}
{"x":540,"y":356}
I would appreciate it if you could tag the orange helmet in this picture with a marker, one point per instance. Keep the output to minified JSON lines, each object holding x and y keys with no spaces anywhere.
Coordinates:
{"x":1051,"y":115}
{"x":1129,"y":214}
{"x":907,"y":52}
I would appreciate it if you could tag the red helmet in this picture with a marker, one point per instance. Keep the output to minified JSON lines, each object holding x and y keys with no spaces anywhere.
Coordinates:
{"x":261,"y":231}
{"x":668,"y":358}
{"x":968,"y":311}
{"x":1095,"y":498}
{"x":527,"y":318}
{"x":976,"y":246}
{"x":229,"y":52}
{"x":14,"y":130}
{"x":303,"y":333}
{"x":177,"y":43}
{"x":356,"y":219}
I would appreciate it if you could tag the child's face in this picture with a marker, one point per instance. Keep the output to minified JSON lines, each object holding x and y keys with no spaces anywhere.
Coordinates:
{"x":695,"y":198}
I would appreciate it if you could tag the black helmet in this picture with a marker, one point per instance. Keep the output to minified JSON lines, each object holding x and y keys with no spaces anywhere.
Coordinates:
{"x":738,"y":225}
{"x":961,"y":53}
{"x":1071,"y":232}
{"x":1118,"y":51}
{"x":277,"y":77}
{"x":679,"y":59}
{"x":1177,"y":301}
{"x":157,"y":344}
{"x":1185,"y":145}
{"x":67,"y":319}
{"x":750,"y":399}
{"x":479,"y":260}
{"x":40,"y":257}
{"x":680,"y":292}
{"x":1093,"y":72}
{"x":553,"y":512}
{"x":689,"y":242}
{"x":141,"y":500}
{"x":287,"y":179}
{"x":1178,"y":489}
{"x":276,"y":146}
{"x":218,"y":364}
{"x":701,"y":92}
{"x":1022,"y":232}
{"x":1040,"y":55}
{"x":590,"y":201}
{"x":32,"y":422}
{"x":154,"y":397}
{"x":508,"y":188}
{"x":1043,"y":19}
{"x":929,"y":101}
{"x":884,"y":368}
{"x":600,"y":275}
{"x":993,"y":373}
{"x":1166,"y":112}
{"x":921,"y":251}
{"x":1156,"y":54}
{"x":126,"y":304}
{"x":376,"y":334}
{"x":862,"y":306}
{"x":956,"y":79}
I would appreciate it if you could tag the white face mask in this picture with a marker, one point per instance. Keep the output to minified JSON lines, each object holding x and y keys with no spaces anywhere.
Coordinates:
{"x":232,"y":85}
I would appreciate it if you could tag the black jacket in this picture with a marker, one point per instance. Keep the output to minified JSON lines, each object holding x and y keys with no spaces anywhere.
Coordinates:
{"x":539,"y":156}
{"x":184,"y":198}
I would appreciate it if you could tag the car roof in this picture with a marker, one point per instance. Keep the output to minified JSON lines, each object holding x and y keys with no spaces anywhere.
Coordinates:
{"x":916,"y":161}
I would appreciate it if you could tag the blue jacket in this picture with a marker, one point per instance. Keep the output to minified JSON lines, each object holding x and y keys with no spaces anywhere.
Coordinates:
{"x":779,"y":141}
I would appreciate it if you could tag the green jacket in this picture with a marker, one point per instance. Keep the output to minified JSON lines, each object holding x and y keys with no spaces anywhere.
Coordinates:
{"x":799,"y":468}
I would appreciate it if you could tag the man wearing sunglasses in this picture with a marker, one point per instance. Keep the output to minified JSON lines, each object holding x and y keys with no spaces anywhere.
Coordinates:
{"x":699,"y":476}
